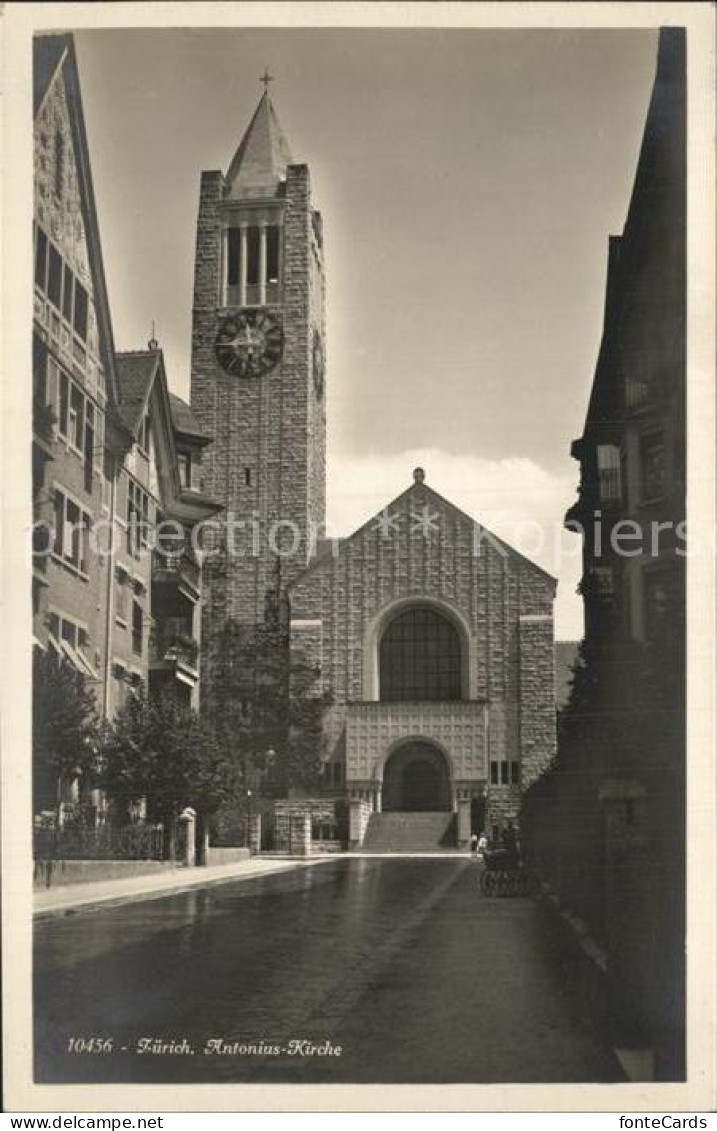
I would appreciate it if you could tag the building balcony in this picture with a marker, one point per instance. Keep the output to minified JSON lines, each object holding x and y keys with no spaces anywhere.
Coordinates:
{"x":179,"y":571}
{"x":173,"y":649}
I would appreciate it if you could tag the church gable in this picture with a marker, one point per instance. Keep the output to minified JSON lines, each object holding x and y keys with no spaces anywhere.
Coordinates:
{"x":419,"y":550}
{"x":431,"y":536}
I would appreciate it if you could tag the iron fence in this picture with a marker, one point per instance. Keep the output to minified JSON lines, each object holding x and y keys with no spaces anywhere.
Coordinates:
{"x":105,"y":842}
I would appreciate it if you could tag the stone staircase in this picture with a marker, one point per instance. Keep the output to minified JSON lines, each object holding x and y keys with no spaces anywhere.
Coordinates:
{"x":411,"y":832}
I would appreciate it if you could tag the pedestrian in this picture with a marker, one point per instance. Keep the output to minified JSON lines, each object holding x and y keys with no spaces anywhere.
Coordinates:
{"x":482,"y":846}
{"x":474,"y":844}
{"x":510,"y":840}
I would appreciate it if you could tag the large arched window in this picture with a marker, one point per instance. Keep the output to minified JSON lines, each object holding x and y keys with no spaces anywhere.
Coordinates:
{"x":420,"y":657}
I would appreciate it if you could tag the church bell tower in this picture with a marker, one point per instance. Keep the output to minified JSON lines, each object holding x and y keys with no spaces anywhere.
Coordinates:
{"x":258,"y":361}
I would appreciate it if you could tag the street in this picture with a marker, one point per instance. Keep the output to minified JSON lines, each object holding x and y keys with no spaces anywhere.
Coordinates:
{"x":400,"y":964}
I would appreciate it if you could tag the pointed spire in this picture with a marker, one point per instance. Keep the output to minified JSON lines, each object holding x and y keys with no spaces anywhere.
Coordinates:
{"x":259,"y":163}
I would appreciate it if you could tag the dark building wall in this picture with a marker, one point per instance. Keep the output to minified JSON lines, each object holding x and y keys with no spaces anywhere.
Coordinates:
{"x":617,"y":795}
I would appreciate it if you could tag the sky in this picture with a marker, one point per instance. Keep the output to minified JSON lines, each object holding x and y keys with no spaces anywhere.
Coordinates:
{"x":468,"y":180}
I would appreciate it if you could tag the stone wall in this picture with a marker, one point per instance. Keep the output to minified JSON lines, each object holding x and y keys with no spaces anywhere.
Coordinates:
{"x":537,"y":696}
{"x":317,"y":808}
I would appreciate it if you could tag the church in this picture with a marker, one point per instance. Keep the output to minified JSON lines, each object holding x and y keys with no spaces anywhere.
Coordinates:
{"x":433,"y":637}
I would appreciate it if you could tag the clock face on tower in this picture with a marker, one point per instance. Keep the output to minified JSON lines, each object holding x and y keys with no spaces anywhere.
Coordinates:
{"x":249,"y":344}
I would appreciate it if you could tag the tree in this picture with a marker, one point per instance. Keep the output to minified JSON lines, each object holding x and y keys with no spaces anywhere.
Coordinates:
{"x":65,"y":727}
{"x":161,"y":752}
{"x":262,"y":697}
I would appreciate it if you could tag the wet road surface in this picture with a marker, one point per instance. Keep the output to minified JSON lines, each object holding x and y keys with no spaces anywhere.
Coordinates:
{"x":401,"y":964}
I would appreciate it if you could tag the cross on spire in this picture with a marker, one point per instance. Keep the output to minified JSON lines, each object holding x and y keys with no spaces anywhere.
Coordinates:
{"x":266,"y":78}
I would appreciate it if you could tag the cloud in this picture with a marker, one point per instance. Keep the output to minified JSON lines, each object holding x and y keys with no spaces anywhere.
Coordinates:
{"x":514,"y":498}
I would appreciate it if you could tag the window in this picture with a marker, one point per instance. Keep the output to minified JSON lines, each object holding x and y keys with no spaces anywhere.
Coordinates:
{"x":143,"y":438}
{"x":64,"y":404}
{"x":72,"y":532}
{"x":89,"y":445}
{"x":41,"y":260}
{"x":59,"y":162}
{"x":137,"y":625}
{"x":78,"y":420}
{"x":67,"y":294}
{"x":252,"y":256}
{"x":184,"y":462}
{"x":608,"y":469}
{"x":233,"y":254}
{"x":504,"y":773}
{"x":54,"y":278}
{"x":121,"y":596}
{"x":272,"y":254}
{"x":77,"y":417}
{"x":652,"y":466}
{"x":64,"y":628}
{"x":603,"y":581}
{"x":68,"y":632}
{"x":137,"y":518}
{"x":420,"y":658}
{"x":79,"y":319}
{"x":333,"y":773}
{"x":39,"y":371}
{"x":253,"y":288}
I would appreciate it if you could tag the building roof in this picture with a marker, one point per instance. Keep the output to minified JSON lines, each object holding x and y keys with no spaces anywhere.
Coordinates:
{"x":260,"y":162}
{"x":184,"y":421}
{"x":48,"y":52}
{"x":135,"y":373}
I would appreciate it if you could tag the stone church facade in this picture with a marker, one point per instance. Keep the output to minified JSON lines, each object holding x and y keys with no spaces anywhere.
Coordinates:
{"x":436,"y":642}
{"x":433,"y":637}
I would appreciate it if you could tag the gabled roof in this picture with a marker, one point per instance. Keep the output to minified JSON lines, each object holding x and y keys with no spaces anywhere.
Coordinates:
{"x":425,"y":497}
{"x":49,"y":53}
{"x":185,"y":422}
{"x":135,"y":373}
{"x":142,"y":386}
{"x":260,"y":162}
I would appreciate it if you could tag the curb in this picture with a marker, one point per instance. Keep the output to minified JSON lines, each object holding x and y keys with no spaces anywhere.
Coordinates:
{"x":116,"y":899}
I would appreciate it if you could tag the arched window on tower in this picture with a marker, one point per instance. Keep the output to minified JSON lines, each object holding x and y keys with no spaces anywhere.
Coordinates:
{"x":420,"y":658}
{"x":253,"y":265}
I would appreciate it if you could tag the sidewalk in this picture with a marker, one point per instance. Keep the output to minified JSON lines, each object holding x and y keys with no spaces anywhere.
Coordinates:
{"x":75,"y":897}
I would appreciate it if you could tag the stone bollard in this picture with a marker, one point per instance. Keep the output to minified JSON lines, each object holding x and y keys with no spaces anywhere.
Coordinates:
{"x":301,"y":834}
{"x":203,"y":854}
{"x":357,"y":823}
{"x":464,"y":823}
{"x":187,"y":854}
{"x":255,"y":833}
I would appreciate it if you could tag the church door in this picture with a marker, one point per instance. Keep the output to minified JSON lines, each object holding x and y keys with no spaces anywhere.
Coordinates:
{"x":416,"y":780}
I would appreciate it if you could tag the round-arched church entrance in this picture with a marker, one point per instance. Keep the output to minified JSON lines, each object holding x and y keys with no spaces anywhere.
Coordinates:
{"x":416,"y":780}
